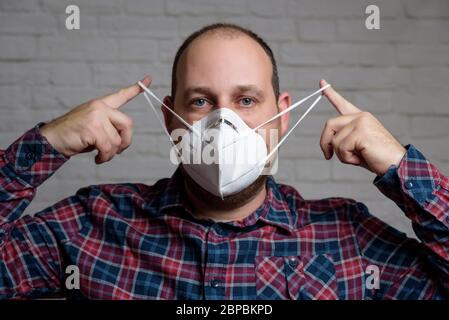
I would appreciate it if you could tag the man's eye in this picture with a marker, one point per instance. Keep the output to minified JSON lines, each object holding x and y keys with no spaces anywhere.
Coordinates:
{"x":246,"y":102}
{"x":199,"y":102}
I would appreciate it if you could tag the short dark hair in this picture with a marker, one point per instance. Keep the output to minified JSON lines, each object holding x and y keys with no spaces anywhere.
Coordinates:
{"x":230,"y":28}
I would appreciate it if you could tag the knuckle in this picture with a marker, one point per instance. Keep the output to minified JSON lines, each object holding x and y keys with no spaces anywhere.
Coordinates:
{"x":95,"y":123}
{"x":366,"y":113}
{"x":365,"y":116}
{"x":328,"y":123}
{"x":95,"y":115}
{"x":96,"y":104}
{"x":129,"y":122}
{"x":96,"y":120}
{"x":87,"y":139}
{"x":117,"y":141}
{"x":106,"y":147}
{"x":126,"y":141}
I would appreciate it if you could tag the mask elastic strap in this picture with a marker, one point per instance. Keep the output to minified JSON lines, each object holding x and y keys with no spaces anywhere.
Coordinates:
{"x":178,"y":152}
{"x":293,"y":106}
{"x":190,"y":127}
{"x":288,"y":133}
{"x":291,"y":129}
{"x":158,"y":117}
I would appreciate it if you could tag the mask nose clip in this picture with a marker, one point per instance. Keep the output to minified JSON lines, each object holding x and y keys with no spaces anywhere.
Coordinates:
{"x":221,"y":121}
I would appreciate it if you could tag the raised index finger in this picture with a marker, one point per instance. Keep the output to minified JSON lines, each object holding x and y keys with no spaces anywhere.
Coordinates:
{"x":121,"y":97}
{"x":342,"y":105}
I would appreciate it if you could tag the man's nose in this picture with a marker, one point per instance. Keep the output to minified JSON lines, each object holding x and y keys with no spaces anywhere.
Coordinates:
{"x":223,"y":102}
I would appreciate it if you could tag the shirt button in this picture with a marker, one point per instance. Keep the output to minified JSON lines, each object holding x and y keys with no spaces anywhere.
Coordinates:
{"x":29,"y":156}
{"x":293,"y":262}
{"x":215,"y":283}
{"x":408,"y":184}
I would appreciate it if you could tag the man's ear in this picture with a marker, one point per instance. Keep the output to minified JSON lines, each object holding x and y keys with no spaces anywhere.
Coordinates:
{"x":167,"y":114}
{"x":284,"y":101}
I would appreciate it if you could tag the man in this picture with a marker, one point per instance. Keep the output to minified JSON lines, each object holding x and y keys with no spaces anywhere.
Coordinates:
{"x":179,"y":240}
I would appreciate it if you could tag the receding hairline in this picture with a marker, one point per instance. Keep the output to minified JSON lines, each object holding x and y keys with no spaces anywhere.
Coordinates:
{"x":226,"y":31}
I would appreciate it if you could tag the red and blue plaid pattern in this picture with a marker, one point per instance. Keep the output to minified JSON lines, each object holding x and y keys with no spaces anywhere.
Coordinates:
{"x":133,"y":241}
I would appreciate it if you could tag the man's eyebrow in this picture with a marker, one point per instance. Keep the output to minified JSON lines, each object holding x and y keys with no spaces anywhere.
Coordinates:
{"x":239,"y":89}
{"x":198,"y":90}
{"x":259,"y":93}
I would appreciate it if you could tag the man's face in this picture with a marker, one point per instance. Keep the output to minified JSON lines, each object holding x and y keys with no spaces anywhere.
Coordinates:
{"x":219,"y":71}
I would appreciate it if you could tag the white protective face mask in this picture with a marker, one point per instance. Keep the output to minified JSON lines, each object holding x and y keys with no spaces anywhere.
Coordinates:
{"x":221,"y":152}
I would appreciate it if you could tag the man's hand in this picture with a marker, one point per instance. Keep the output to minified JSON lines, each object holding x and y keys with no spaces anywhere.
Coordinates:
{"x":358,"y":138}
{"x":97,"y":124}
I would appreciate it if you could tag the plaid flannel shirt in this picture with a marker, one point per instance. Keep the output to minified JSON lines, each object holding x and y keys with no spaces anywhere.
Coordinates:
{"x":134,"y":241}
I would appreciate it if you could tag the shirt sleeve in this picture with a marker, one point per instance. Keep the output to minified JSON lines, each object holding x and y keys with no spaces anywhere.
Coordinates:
{"x":24,"y":165}
{"x":410,"y":269}
{"x":422,"y":192}
{"x":30,"y":260}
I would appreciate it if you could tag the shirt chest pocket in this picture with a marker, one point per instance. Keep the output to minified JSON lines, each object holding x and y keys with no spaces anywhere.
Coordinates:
{"x":296,"y":277}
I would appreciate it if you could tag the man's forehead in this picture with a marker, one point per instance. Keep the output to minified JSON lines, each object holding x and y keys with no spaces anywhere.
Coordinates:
{"x":216,"y":53}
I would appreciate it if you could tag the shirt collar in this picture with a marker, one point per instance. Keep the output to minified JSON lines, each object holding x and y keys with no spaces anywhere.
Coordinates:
{"x":274,"y":210}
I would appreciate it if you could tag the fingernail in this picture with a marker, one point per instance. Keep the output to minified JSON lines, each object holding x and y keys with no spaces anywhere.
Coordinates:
{"x":145,"y":78}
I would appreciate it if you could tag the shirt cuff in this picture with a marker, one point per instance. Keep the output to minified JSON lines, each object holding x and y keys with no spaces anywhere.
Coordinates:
{"x":414,"y":176}
{"x":32,"y":159}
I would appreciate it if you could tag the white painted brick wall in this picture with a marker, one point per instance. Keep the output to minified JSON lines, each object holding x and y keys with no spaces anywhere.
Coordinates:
{"x":400,"y":73}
